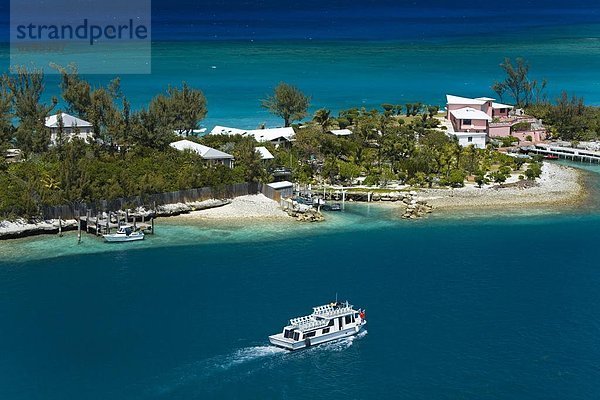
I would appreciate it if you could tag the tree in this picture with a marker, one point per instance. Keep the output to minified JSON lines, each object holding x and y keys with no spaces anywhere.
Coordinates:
{"x":6,"y":100}
{"x":180,"y":110}
{"x":147,"y":131}
{"x":26,"y":89}
{"x":249,"y":159}
{"x":457,"y":178}
{"x":481,"y":179}
{"x":323,"y":118}
{"x":75,"y":91}
{"x":287,"y":102}
{"x":498,"y":177}
{"x":534,"y":170}
{"x":517,"y":83}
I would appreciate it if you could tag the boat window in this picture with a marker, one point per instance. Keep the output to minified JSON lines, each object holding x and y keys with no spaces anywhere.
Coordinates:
{"x":331,"y":322}
{"x":353,"y":318}
{"x":348,"y":319}
{"x":296,"y":335}
{"x":288,"y":333}
{"x":310,"y":334}
{"x":325,"y":330}
{"x":356,"y":315}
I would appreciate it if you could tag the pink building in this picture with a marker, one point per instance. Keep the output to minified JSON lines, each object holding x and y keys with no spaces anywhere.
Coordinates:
{"x":484,"y":116}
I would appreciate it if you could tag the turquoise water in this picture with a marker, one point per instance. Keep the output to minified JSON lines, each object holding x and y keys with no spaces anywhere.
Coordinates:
{"x":486,"y":307}
{"x":340,"y":74}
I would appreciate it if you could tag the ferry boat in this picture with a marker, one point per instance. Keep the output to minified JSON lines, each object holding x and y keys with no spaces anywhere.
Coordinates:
{"x":125,"y":233}
{"x":328,"y":322}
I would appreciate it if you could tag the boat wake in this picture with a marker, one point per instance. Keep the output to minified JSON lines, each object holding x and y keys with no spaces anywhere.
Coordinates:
{"x":248,"y":360}
{"x":250,"y":354}
{"x":199,"y":372}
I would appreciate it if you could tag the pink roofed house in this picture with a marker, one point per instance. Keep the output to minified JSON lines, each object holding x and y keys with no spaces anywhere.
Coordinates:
{"x":474,"y":120}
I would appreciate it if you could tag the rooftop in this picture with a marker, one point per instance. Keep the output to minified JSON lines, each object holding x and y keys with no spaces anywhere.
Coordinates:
{"x":500,"y":105}
{"x":341,"y":132}
{"x":457,"y":100}
{"x":261,"y":135}
{"x":266,"y":135}
{"x":208,"y":153}
{"x":280,"y":185}
{"x":265,"y":154}
{"x":68,"y":121}
{"x":470,"y":113}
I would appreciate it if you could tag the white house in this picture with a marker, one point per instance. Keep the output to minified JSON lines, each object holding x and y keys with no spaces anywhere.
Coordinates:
{"x":73,"y":127}
{"x":213,"y":156}
{"x":341,"y":132}
{"x":276,"y":136}
{"x":265,"y":154}
{"x":188,"y":132}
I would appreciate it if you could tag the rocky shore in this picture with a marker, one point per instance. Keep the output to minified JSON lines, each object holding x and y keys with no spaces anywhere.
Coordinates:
{"x":557,"y":186}
{"x":22,"y":228}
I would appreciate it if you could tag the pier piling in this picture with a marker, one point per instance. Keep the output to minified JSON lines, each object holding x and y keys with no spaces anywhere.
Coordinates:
{"x":79,"y":229}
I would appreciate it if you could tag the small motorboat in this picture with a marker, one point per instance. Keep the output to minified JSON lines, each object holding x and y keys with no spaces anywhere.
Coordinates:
{"x":125,"y":233}
{"x":551,"y":157}
{"x":328,"y":322}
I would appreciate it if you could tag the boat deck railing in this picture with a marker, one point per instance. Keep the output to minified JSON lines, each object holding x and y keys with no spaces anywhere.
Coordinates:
{"x":329,"y":310}
{"x":308,"y":324}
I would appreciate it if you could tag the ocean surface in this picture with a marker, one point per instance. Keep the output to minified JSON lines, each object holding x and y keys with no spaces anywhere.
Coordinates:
{"x":474,"y":306}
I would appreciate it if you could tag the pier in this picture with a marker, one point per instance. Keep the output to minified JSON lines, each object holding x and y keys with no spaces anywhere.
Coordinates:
{"x":103,"y":224}
{"x":565,"y":153}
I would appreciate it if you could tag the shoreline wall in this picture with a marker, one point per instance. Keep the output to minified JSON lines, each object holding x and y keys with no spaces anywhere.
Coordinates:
{"x":73,"y":211}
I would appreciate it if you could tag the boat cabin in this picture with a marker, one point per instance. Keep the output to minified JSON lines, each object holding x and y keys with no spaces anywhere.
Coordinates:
{"x":326,"y":323}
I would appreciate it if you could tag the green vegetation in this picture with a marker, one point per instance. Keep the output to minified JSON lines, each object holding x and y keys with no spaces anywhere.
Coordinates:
{"x":386,"y":147}
{"x":569,"y":118}
{"x":131,"y":155}
{"x":287,"y":102}
{"x":518,"y":85}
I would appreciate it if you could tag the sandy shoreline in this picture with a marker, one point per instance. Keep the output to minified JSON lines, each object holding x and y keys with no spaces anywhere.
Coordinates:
{"x":248,"y":207}
{"x":557,"y":186}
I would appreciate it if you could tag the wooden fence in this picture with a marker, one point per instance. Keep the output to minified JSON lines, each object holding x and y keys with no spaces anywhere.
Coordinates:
{"x":75,"y":210}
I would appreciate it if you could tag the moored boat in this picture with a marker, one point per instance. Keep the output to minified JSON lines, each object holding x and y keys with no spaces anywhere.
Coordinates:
{"x":125,"y":233}
{"x":328,"y":322}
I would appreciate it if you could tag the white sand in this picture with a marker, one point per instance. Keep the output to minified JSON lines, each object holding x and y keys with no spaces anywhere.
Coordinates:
{"x":243,"y":207}
{"x":558,"y":185}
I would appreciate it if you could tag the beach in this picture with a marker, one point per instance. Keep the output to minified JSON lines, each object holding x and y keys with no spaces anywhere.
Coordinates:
{"x":558,"y":186}
{"x":248,"y":207}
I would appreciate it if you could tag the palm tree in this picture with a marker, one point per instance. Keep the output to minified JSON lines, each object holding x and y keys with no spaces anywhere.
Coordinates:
{"x":323,"y":118}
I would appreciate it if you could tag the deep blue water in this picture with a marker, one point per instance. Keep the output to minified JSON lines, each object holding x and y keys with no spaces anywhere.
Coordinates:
{"x":482,"y":307}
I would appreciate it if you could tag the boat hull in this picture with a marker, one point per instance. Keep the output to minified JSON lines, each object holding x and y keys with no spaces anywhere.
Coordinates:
{"x":116,"y":239}
{"x":279,"y":341}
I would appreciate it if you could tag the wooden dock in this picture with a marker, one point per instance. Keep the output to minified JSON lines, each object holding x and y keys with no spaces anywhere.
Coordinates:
{"x":102,"y":225}
{"x":565,"y":153}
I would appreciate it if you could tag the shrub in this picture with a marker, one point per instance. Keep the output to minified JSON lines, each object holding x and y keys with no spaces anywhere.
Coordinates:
{"x":507,"y":141}
{"x":533,"y":171}
{"x":521,"y":127}
{"x":456,"y":178}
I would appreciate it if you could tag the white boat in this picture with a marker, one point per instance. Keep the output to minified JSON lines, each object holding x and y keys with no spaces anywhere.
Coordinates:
{"x":125,"y":233}
{"x":329,"y":322}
